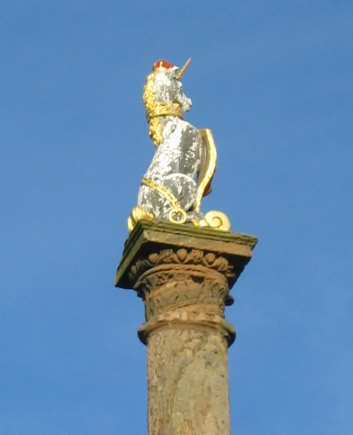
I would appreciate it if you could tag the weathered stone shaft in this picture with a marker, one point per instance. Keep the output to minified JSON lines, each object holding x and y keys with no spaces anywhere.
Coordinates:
{"x":187,"y":383}
{"x":187,"y":339}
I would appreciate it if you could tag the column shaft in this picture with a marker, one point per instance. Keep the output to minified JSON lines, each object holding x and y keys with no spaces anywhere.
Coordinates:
{"x":187,"y":382}
{"x":183,"y":274}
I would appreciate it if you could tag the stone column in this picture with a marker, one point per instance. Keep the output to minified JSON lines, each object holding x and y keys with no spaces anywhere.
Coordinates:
{"x":184,"y":275}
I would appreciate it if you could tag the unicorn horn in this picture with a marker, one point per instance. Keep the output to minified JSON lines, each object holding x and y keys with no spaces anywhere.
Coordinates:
{"x":182,"y":70}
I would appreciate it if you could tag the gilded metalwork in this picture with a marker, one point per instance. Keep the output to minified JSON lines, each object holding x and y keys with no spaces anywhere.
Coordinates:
{"x":177,"y":215}
{"x":208,"y":166}
{"x":138,"y":214}
{"x":184,"y":162}
{"x":155,"y":109}
{"x":216,"y":220}
{"x":162,"y":190}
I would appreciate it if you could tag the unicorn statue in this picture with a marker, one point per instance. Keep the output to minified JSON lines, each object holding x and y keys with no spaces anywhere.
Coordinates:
{"x":184,"y":162}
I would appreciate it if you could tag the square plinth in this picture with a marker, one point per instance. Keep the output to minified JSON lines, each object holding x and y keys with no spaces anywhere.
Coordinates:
{"x":148,"y":237}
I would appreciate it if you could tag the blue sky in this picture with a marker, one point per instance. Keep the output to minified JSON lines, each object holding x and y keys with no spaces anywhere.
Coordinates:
{"x":273,"y":80}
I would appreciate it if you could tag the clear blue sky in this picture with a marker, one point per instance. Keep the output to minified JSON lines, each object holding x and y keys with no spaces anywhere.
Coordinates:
{"x":273,"y":79}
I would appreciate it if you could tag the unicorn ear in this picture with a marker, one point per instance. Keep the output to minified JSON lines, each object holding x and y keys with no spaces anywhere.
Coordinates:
{"x":173,"y":72}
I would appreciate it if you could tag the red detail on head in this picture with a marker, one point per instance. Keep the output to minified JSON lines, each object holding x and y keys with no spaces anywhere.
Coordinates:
{"x":162,"y":64}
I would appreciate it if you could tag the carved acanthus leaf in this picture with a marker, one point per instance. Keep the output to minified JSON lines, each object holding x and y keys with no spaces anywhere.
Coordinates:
{"x":184,"y":256}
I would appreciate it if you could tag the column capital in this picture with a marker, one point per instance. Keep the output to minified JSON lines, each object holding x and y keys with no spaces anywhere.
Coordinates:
{"x":184,"y":275}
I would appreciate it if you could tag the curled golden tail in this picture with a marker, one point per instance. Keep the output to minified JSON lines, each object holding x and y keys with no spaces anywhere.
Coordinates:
{"x":208,"y":165}
{"x":216,"y":219}
{"x":138,"y":214}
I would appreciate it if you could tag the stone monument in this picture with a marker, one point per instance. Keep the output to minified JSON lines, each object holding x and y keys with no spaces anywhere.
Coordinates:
{"x":182,"y":263}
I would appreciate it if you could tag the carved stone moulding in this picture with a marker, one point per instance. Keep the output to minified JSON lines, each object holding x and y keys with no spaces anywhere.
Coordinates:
{"x":167,"y":287}
{"x":184,"y":290}
{"x":153,"y":244}
{"x":189,"y":320}
{"x":182,"y":256}
{"x":183,"y":275}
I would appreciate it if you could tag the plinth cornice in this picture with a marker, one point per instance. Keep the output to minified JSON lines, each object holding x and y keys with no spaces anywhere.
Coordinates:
{"x":149,"y":240}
